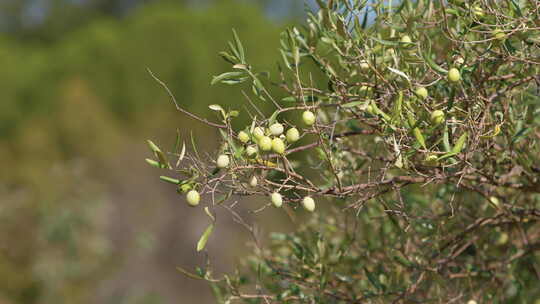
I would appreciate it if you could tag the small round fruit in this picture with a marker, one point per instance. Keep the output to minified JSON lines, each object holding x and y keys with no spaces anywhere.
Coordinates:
{"x":503,"y":238}
{"x":276,"y":129}
{"x":265,"y":143}
{"x":431,"y":160}
{"x":498,"y":34}
{"x":406,"y":39}
{"x":453,"y":75}
{"x":494,"y":200}
{"x":478,"y":11}
{"x":278,"y":146}
{"x":193,"y":198}
{"x":222,"y":161}
{"x":292,"y":135}
{"x":370,"y":110}
{"x":364,"y":89}
{"x":243,"y":137}
{"x":308,"y":203}
{"x":258,"y":132}
{"x":421,"y":92}
{"x":251,"y":151}
{"x":276,"y":199}
{"x":364,"y":65}
{"x":308,"y":117}
{"x":437,"y":117}
{"x":253,"y":181}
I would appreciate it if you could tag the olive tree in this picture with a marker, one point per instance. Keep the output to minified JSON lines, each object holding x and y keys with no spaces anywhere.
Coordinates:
{"x":408,"y":131}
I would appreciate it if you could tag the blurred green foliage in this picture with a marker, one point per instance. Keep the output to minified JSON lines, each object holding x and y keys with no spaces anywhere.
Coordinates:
{"x":72,"y":113}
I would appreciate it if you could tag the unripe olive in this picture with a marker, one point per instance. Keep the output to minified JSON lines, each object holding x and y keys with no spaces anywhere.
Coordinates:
{"x":494,"y":200}
{"x":421,"y":92}
{"x":478,"y":11}
{"x":308,"y":117}
{"x":498,"y":34}
{"x":292,"y":135}
{"x":431,"y":160}
{"x":437,"y":117}
{"x":370,"y":109}
{"x":364,"y":89}
{"x":406,"y":39}
{"x":277,"y":200}
{"x":251,"y":151}
{"x":193,"y":198}
{"x":454,"y":75}
{"x":265,"y":143}
{"x":276,"y":129}
{"x":243,"y":137}
{"x":308,"y":203}
{"x":503,"y":238}
{"x":258,"y":132}
{"x":222,"y":161}
{"x":253,"y":181}
{"x":278,"y":146}
{"x":364,"y":65}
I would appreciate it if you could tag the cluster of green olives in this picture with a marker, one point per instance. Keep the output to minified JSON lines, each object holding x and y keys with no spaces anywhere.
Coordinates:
{"x":307,"y":202}
{"x":272,"y":139}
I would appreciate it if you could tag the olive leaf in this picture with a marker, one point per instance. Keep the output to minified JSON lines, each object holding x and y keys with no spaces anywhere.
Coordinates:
{"x":204,"y":237}
{"x":457,"y":148}
{"x":419,"y":137}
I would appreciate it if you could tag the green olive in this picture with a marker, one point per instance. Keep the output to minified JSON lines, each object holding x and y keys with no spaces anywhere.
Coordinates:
{"x":223,"y":161}
{"x":292,"y":135}
{"x":454,"y":75}
{"x":308,"y":203}
{"x":421,"y":92}
{"x":278,"y":146}
{"x":437,"y":117}
{"x":193,"y":198}
{"x":276,"y":199}
{"x":308,"y":117}
{"x":243,"y":137}
{"x":265,"y":143}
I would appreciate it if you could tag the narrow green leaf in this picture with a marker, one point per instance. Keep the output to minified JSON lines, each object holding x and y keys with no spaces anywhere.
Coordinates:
{"x":170,"y":180}
{"x":228,"y":57}
{"x":182,"y":154}
{"x":160,"y":155}
{"x":210,"y":215}
{"x":215,"y":107}
{"x":516,"y":8}
{"x":433,"y":65}
{"x":459,"y":144}
{"x":457,"y":148}
{"x":204,"y":237}
{"x":386,"y":42}
{"x":400,"y":73}
{"x":153,"y":146}
{"x":153,"y":163}
{"x":419,"y":137}
{"x":352,"y":104}
{"x":373,"y":279}
{"x":239,"y":47}
{"x":225,"y":76}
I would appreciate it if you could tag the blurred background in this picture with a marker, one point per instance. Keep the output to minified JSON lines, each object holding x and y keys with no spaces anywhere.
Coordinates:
{"x":83,"y":219}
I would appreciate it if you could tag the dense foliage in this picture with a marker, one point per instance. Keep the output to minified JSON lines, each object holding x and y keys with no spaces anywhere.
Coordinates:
{"x":418,"y":156}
